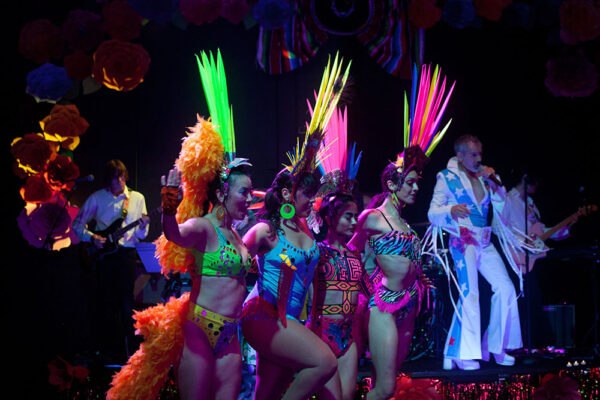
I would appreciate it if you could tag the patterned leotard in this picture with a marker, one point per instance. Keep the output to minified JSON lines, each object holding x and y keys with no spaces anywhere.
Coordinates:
{"x":267,"y":285}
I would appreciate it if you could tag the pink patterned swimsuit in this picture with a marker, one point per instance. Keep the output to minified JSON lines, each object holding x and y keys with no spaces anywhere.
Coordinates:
{"x":344,"y":272}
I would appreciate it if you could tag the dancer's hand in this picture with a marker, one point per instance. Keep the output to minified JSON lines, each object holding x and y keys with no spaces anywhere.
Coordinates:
{"x":171,"y":192}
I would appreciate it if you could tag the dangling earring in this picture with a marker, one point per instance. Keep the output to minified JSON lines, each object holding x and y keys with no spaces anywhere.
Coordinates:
{"x":220,"y":212}
{"x":395,"y":200}
{"x":287,"y":211}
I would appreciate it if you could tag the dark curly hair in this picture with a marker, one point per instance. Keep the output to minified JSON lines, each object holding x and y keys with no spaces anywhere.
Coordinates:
{"x":414,"y":159}
{"x":217,"y":183}
{"x":307,"y":182}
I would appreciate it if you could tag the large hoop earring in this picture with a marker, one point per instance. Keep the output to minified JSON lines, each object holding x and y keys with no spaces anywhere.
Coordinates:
{"x":287,"y":211}
{"x":220,"y":212}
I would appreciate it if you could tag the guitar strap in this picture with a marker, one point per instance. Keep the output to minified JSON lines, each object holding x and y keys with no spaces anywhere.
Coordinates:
{"x":125,"y":208}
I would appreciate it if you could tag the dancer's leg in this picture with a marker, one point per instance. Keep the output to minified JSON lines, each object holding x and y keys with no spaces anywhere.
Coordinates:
{"x":295,"y":348}
{"x":228,"y":372}
{"x":196,"y":365}
{"x":383,"y":345}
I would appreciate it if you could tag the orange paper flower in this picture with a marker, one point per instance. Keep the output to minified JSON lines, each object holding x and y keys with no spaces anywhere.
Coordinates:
{"x":32,"y":152}
{"x":62,"y":373}
{"x":64,"y":125}
{"x":120,"y":65}
{"x":415,"y":389}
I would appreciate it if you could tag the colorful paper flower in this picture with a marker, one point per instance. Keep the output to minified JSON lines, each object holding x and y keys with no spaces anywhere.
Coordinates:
{"x":234,"y":10}
{"x":120,"y":65}
{"x":557,"y":387}
{"x":272,"y":14}
{"x":491,"y":9}
{"x":62,"y":373}
{"x":121,"y":21}
{"x":579,"y":20}
{"x":199,"y":12}
{"x":415,"y":389}
{"x":83,"y":30}
{"x":61,"y":172}
{"x":36,"y":190}
{"x":78,"y":65}
{"x":48,"y":83}
{"x":64,"y":125}
{"x":458,"y":13}
{"x":423,"y":13}
{"x":32,"y":152}
{"x":520,"y":15}
{"x":41,"y":41}
{"x":571,"y":75}
{"x":160,"y":11}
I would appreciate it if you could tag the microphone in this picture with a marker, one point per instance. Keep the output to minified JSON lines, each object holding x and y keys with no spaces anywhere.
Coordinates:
{"x":87,"y":178}
{"x":492,"y":177}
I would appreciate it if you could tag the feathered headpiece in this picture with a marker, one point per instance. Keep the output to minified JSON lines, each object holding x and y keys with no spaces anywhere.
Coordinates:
{"x":337,"y":165}
{"x":214,"y":82}
{"x":305,"y":158}
{"x":208,"y":149}
{"x":422,"y":120}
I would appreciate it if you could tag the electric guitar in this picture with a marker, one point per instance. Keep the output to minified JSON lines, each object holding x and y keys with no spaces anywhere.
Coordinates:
{"x":90,"y":254}
{"x":540,"y":237}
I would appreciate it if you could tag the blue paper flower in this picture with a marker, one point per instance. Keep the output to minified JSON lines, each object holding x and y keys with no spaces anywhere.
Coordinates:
{"x":272,"y":14}
{"x":48,"y":83}
{"x":160,"y":11}
{"x":459,"y":13}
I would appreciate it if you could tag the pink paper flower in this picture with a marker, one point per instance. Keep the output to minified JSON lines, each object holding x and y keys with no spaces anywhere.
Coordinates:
{"x":571,"y":76}
{"x":491,"y":9}
{"x":557,"y":387}
{"x":234,"y":10}
{"x":83,"y":30}
{"x":199,"y":12}
{"x":423,"y":13}
{"x":579,"y":20}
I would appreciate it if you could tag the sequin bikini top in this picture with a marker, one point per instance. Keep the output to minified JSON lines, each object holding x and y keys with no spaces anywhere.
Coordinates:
{"x":225,"y":261}
{"x":406,"y":244}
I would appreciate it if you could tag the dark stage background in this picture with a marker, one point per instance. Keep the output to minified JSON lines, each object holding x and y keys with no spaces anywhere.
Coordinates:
{"x":500,"y":96}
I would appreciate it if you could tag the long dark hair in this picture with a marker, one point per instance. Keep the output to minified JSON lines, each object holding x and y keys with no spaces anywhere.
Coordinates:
{"x":307,"y":182}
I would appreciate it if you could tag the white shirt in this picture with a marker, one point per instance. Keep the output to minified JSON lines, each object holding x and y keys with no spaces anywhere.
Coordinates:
{"x":105,"y":208}
{"x":514,"y":214}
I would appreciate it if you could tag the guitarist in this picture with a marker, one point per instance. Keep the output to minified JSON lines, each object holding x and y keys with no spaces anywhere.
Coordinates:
{"x":114,"y":274}
{"x":514,"y":214}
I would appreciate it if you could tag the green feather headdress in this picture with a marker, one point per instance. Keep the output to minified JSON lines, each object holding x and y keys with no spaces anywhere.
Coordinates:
{"x":214,"y":82}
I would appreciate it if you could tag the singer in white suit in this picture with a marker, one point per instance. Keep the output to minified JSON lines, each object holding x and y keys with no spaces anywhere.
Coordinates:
{"x":462,"y":196}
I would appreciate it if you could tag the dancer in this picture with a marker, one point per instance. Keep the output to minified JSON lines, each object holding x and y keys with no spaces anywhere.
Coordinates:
{"x":462,"y":196}
{"x":336,"y":314}
{"x":397,"y":248}
{"x":287,"y":258}
{"x":198,"y":332}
